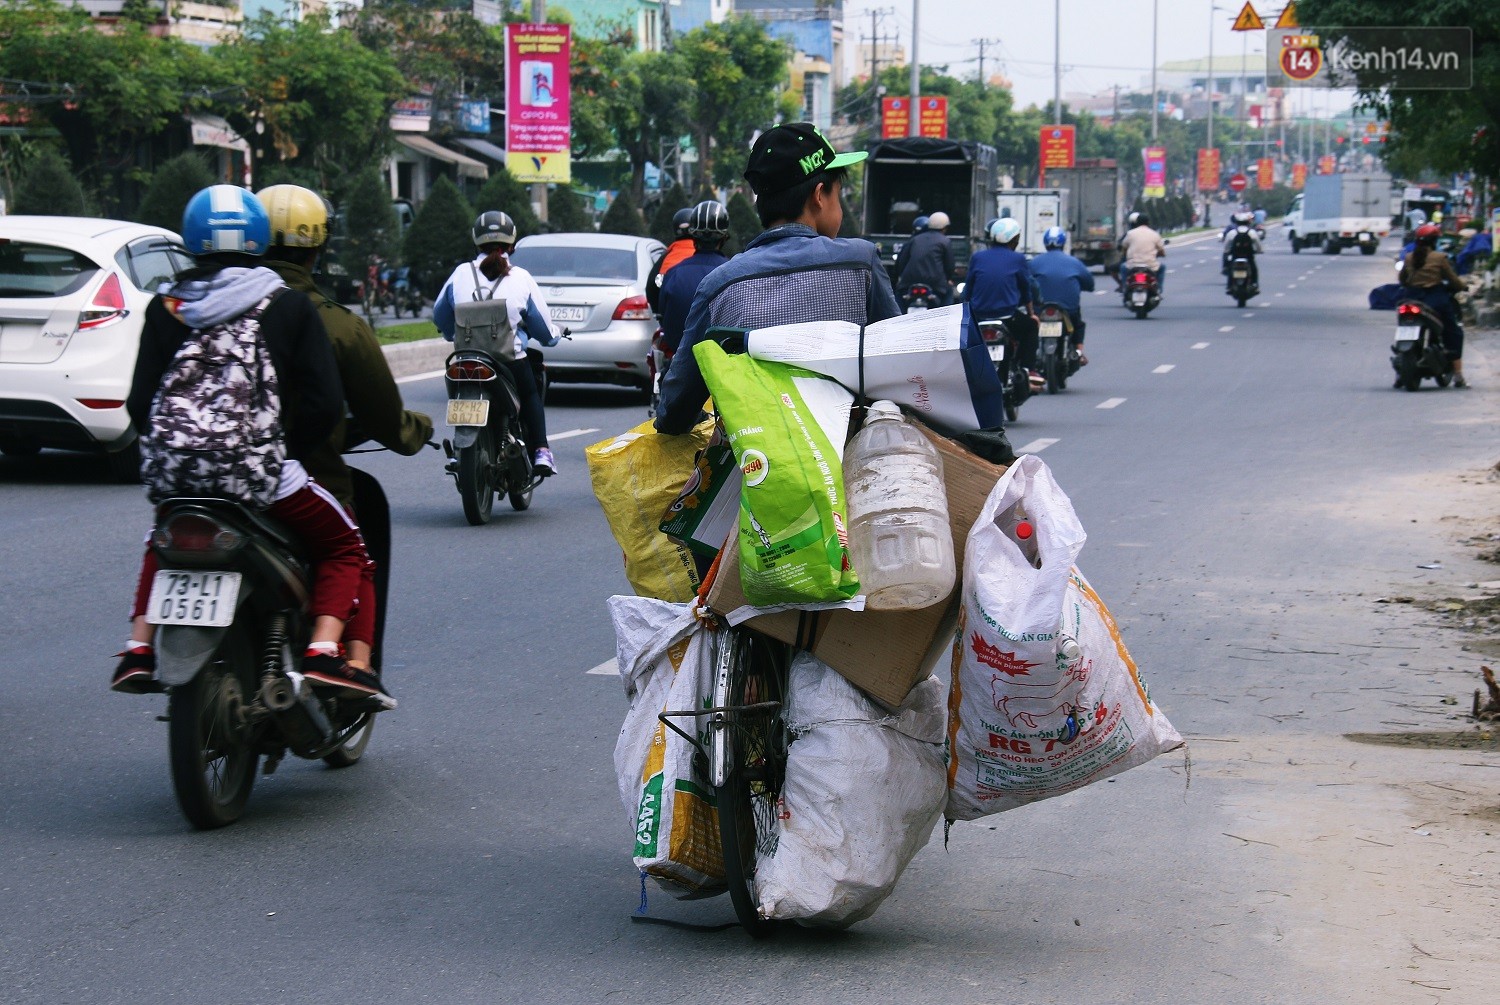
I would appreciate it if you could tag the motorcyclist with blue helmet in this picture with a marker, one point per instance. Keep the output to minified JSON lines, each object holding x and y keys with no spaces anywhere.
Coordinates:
{"x":228,"y":231}
{"x":1061,"y":280}
{"x":1000,"y":285}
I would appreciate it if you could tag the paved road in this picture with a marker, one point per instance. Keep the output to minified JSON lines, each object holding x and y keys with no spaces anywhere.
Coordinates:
{"x":1251,"y":484}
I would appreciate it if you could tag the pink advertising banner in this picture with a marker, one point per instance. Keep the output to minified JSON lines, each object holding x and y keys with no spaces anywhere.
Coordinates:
{"x":538,"y":117}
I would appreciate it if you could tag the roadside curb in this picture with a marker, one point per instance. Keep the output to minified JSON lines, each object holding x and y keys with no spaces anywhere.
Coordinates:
{"x":409,"y":358}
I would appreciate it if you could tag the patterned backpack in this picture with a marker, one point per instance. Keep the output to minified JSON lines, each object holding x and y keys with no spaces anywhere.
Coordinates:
{"x":216,"y":422}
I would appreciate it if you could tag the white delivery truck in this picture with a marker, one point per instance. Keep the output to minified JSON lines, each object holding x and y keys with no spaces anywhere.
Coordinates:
{"x":1338,"y":211}
{"x":1035,"y":209}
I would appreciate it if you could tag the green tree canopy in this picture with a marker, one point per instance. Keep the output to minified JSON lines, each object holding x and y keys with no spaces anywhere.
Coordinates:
{"x":737,"y":68}
{"x":369,"y":222}
{"x":623,"y":217}
{"x":504,"y":193}
{"x":1447,"y":131}
{"x":565,"y":212}
{"x":744,"y":224}
{"x":171,"y":186}
{"x":47,"y":187}
{"x":671,"y":201}
{"x":440,"y":237}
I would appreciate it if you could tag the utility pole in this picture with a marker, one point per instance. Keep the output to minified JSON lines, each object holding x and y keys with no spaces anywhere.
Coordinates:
{"x":982,"y":43}
{"x":916,"y":75}
{"x":1057,"y":62}
{"x":1154,"y":102}
{"x":538,"y":189}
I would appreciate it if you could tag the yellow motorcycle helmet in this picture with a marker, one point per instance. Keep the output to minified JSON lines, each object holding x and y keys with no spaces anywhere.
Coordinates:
{"x":299,"y":216}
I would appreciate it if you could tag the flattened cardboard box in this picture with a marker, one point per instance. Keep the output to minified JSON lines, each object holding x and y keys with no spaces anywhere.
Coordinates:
{"x":884,"y":653}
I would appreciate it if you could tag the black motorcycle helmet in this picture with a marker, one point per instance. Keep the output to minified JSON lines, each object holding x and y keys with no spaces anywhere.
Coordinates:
{"x":493,"y":227}
{"x":1142,"y":220}
{"x":708,"y":220}
{"x":681,"y":221}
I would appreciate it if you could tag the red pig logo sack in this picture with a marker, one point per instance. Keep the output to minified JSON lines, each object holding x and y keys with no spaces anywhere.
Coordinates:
{"x":1045,"y":698}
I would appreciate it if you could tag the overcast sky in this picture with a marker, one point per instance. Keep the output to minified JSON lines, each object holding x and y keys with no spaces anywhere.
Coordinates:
{"x":1104,"y":42}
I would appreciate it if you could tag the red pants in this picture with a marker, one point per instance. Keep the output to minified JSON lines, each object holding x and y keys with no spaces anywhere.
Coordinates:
{"x":343,"y":572}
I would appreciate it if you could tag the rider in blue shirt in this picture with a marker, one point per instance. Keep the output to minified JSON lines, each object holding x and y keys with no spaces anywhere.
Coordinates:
{"x":708,"y":223}
{"x":1061,"y":279}
{"x":999,"y":285}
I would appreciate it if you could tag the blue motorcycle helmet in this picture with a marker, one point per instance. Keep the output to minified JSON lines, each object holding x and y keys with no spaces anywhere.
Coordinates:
{"x":1055,"y":239}
{"x":919,"y":224}
{"x":225,"y":219}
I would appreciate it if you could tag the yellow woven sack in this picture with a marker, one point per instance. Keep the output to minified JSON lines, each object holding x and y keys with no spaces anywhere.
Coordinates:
{"x":636,"y":476}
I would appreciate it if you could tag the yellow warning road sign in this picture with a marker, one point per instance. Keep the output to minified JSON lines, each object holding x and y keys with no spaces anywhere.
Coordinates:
{"x":1248,"y":20}
{"x":1288,"y":18}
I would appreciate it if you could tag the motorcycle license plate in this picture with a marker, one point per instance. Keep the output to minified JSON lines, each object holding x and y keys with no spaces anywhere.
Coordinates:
{"x":1241,"y":274}
{"x":1138,"y":298}
{"x":1404,"y":344}
{"x":468,"y":412}
{"x":204,"y":599}
{"x":1051,"y":329}
{"x":1365,"y":236}
{"x":997,"y":351}
{"x":570,"y":313}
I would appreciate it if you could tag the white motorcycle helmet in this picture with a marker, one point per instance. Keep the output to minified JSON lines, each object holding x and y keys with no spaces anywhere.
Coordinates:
{"x":1005,"y":230}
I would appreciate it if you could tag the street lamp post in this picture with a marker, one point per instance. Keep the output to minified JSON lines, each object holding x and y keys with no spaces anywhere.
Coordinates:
{"x":914,"y":127}
{"x":1154,"y":102}
{"x":1057,"y":62}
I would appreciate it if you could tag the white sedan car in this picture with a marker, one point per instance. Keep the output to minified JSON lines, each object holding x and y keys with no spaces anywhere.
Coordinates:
{"x":595,"y":285}
{"x":73,"y":296}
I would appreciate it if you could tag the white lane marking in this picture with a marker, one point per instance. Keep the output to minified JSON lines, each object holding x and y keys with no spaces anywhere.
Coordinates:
{"x":420,"y":376}
{"x":1227,"y":328}
{"x":1279,"y":294}
{"x":605,"y":669}
{"x":1111,"y":403}
{"x":1189,"y":265}
{"x":1248,"y":314}
{"x":1100,"y":293}
{"x":1291,"y":286}
{"x":1035,"y":446}
{"x":571,"y":433}
{"x":1199,"y":345}
{"x":1165,"y":368}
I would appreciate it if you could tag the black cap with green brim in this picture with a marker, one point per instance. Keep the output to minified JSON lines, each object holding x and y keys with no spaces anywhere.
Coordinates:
{"x":784,"y":157}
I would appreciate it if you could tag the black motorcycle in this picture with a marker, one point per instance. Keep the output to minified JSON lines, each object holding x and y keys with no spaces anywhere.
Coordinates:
{"x":1417,"y":351}
{"x":1059,"y":359}
{"x":1240,"y":285}
{"x":920,"y":297}
{"x":1004,"y":349}
{"x":230,"y":602}
{"x":1140,"y":292}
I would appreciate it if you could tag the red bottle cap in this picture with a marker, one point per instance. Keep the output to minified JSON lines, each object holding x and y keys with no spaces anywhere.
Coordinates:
{"x":1023,"y":530}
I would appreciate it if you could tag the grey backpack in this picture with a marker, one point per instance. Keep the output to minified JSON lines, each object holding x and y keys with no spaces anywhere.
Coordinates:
{"x":483,"y":323}
{"x":215,"y":427}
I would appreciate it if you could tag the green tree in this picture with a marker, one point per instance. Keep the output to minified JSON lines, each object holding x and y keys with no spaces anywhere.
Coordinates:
{"x":47,"y":187}
{"x":310,"y":96}
{"x":738,"y":68}
{"x":640,"y":98}
{"x":440,"y":237}
{"x":171,"y":186}
{"x":623,"y":217}
{"x":504,"y":193}
{"x":744,"y":225}
{"x":671,"y":201}
{"x":369,"y":229}
{"x":1446,"y":131}
{"x":565,"y":212}
{"x":105,"y":93}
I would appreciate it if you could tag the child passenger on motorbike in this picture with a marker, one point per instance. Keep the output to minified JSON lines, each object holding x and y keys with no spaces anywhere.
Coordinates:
{"x":491,"y":276}
{"x":227,"y":230}
{"x":1429,"y":276}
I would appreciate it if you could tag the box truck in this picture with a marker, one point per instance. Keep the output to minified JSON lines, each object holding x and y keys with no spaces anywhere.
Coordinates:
{"x":1337,"y":211}
{"x":1095,"y":208}
{"x":919,"y":176}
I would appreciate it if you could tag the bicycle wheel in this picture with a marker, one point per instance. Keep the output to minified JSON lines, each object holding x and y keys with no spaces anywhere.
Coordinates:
{"x":748,"y":754}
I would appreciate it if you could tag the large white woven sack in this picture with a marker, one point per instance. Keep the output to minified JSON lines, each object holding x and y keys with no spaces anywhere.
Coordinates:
{"x":864,"y":789}
{"x":1045,"y":697}
{"x":665,"y":658}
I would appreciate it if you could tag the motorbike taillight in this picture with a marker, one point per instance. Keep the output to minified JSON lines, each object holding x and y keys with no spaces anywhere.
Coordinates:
{"x":1408,"y":311}
{"x":470,"y":369}
{"x":1141,"y":277}
{"x":919,"y":291}
{"x":194,"y":532}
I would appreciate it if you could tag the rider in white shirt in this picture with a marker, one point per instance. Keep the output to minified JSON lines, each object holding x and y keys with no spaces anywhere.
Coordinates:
{"x":491,"y":276}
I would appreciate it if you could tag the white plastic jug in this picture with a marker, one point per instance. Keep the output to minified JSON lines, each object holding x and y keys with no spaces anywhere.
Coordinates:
{"x":899,"y":537}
